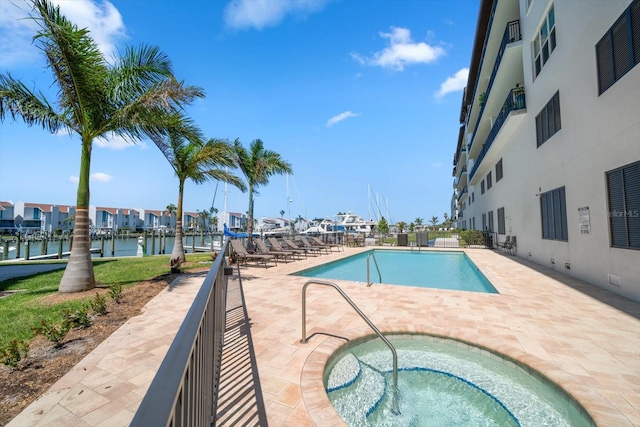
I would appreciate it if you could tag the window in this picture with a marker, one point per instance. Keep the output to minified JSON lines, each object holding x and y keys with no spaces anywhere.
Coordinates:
{"x":473,"y":223}
{"x":501,"y":228}
{"x":548,"y":120}
{"x":619,"y":49}
{"x":553,"y":210}
{"x":499,"y":170}
{"x":473,"y":197}
{"x":489,"y":183}
{"x":623,"y":196}
{"x":484,"y":222}
{"x":545,"y":42}
{"x":491,"y":221}
{"x":482,"y":187}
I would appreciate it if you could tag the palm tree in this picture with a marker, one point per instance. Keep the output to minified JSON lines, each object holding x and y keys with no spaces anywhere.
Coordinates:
{"x":197,"y":160}
{"x":95,"y":100}
{"x":170,"y":210}
{"x":204,"y":216}
{"x":418,"y":221}
{"x":257,"y":165}
{"x":214,"y":217}
{"x":281,"y":213}
{"x":434,"y":221}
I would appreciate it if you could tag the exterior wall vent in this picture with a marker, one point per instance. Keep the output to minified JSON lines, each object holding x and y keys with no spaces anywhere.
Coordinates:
{"x":552,"y":261}
{"x":567,"y":265}
{"x":615,"y":280}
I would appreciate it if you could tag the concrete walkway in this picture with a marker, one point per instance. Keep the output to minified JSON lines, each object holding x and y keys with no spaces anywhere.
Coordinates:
{"x":11,"y":271}
{"x":583,"y":338}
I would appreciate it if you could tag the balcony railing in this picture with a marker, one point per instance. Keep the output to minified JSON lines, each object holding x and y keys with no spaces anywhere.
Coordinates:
{"x":511,"y":34}
{"x":463,"y":192}
{"x":515,"y":101}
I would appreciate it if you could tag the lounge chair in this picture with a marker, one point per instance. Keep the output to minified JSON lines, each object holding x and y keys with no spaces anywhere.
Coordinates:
{"x":330,"y":245}
{"x":275,"y":244}
{"x":308,"y":244}
{"x":283,"y":255}
{"x":291,"y":244}
{"x":352,"y":240}
{"x":244,"y":257}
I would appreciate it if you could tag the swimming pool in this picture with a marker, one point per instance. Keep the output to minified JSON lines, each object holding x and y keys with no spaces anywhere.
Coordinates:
{"x":443,"y":382}
{"x":426,"y":269}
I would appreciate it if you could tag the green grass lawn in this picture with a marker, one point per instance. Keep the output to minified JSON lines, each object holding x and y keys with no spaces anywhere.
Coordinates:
{"x":20,"y":312}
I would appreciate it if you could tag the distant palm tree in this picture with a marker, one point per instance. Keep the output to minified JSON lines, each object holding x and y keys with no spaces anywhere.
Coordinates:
{"x":434,"y":221}
{"x":446,"y":219}
{"x":170,"y":210}
{"x":401,"y":226}
{"x":193,"y":158}
{"x":282,"y":213}
{"x":95,"y":100}
{"x":418,"y":221}
{"x":214,"y":217}
{"x":258,"y":165}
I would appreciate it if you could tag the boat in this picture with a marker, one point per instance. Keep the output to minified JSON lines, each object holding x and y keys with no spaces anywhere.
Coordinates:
{"x":342,"y":222}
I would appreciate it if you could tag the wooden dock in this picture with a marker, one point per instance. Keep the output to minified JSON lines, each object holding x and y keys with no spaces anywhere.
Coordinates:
{"x":55,"y":256}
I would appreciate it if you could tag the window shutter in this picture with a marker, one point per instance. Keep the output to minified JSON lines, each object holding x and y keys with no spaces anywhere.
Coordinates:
{"x":605,"y":63}
{"x":621,"y":48}
{"x":631,"y":176}
{"x":539,"y":140}
{"x":563,"y":215}
{"x":615,"y":186}
{"x":556,"y":111}
{"x":635,"y":30}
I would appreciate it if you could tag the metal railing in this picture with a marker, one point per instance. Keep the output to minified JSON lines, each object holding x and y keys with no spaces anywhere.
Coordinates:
{"x":369,"y":255}
{"x":394,"y":403}
{"x":515,"y":101}
{"x":511,"y":35}
{"x":185,"y":389}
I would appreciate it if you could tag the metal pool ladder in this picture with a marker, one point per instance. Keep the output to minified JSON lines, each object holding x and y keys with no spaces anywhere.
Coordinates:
{"x":369,"y":255}
{"x":394,"y":402}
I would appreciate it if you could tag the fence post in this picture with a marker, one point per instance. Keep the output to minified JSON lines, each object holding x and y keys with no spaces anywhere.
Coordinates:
{"x":101,"y":246}
{"x":60,"y":249}
{"x":27,"y":248}
{"x":5,"y":249}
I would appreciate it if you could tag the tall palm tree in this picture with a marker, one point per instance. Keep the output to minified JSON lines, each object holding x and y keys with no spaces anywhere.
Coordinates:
{"x":193,"y":158}
{"x":95,"y":100}
{"x":170,"y":210}
{"x":258,"y":165}
{"x":204,"y":216}
{"x":434,"y":221}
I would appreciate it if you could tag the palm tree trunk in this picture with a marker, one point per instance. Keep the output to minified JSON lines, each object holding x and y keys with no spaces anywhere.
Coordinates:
{"x":78,"y":275}
{"x":178,"y":247}
{"x":250,"y":221}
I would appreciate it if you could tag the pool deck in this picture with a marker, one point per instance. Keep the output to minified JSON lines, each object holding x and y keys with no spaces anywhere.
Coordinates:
{"x":583,"y":338}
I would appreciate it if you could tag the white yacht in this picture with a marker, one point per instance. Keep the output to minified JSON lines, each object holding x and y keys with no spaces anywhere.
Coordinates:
{"x":342,"y":222}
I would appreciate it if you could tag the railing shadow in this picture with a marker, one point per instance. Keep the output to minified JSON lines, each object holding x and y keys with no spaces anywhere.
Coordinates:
{"x":240,"y":400}
{"x":616,"y":301}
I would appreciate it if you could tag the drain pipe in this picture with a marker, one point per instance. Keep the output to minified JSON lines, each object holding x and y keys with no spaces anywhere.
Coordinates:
{"x":394,"y":402}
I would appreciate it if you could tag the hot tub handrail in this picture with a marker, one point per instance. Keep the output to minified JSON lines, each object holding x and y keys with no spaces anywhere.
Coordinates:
{"x":394,"y":404}
{"x":369,"y":255}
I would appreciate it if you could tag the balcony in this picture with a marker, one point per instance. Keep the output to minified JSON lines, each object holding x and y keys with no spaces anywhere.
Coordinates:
{"x":508,"y":58}
{"x":462,"y":193}
{"x":515,"y":102}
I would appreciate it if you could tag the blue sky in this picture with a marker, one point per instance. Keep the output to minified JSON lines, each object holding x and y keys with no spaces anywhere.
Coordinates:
{"x":355,"y":94}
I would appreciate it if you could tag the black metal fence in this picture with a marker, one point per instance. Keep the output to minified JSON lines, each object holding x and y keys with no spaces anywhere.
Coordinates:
{"x":184,"y":390}
{"x":454,"y":239}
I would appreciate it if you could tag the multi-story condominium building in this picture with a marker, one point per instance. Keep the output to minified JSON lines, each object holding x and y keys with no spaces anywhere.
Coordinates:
{"x":549,"y":144}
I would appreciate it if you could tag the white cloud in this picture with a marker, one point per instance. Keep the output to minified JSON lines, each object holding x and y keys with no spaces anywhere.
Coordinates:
{"x":260,"y":14}
{"x":402,"y":51}
{"x":115,"y":142}
{"x":100,"y":177}
{"x":16,"y":31}
{"x":95,"y":177}
{"x":340,"y":117}
{"x":454,"y":83}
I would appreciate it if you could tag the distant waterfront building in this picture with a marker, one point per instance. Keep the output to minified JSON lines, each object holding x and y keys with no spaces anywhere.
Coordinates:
{"x":549,"y":143}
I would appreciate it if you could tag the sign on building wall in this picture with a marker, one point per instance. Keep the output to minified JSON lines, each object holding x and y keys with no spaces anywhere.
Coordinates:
{"x":584,"y":220}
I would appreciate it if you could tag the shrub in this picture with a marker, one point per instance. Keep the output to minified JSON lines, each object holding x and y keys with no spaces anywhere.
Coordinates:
{"x":99,"y":304}
{"x":115,"y":291}
{"x":52,"y":332}
{"x":78,"y":318}
{"x":14,"y":353}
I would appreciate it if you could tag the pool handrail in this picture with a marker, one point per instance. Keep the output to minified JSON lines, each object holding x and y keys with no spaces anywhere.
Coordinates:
{"x":394,"y":403}
{"x":369,"y":255}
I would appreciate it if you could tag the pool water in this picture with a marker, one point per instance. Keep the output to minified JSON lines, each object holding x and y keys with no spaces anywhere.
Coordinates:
{"x":428,"y":269}
{"x":443,"y":383}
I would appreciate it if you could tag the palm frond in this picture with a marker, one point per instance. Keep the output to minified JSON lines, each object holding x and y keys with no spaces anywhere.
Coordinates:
{"x":79,"y":68}
{"x":17,"y":100}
